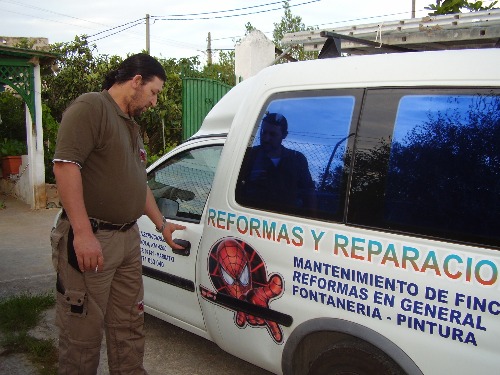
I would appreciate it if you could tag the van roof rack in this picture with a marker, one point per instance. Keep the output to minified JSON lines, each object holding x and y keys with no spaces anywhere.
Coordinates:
{"x":479,"y":29}
{"x":332,"y":45}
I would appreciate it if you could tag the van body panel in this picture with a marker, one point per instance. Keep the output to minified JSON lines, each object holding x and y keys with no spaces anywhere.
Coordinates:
{"x":280,"y":287}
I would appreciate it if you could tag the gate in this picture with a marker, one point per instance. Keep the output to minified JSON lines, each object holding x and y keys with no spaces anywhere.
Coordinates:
{"x":199,"y":95}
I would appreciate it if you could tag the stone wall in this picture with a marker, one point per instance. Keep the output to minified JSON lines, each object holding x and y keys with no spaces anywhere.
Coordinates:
{"x":40,"y":44}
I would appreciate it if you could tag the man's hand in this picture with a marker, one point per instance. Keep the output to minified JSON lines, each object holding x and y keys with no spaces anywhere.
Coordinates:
{"x":69,"y":185}
{"x":153,"y":212}
{"x":88,"y":252}
{"x":167,"y":234}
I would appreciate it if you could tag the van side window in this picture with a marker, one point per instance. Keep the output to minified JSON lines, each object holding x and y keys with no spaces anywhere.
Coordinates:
{"x":295,"y":163}
{"x":430,"y":164}
{"x":182,"y":184}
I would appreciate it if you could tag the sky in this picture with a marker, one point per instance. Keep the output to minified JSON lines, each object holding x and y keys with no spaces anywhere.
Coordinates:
{"x":180,"y":28}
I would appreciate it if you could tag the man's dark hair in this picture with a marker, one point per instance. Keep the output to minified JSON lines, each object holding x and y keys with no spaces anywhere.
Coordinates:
{"x":277,"y":119}
{"x":140,"y":64}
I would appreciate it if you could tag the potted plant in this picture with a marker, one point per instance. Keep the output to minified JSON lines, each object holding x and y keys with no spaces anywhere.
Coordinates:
{"x":10,"y":152}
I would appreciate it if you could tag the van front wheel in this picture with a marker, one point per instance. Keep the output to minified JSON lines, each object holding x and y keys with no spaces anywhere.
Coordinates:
{"x":354,"y":357}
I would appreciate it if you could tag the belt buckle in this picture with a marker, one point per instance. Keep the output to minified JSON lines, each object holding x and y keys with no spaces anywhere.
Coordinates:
{"x":94,"y":224}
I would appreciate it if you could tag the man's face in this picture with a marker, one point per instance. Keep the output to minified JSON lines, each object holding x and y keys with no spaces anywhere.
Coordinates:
{"x":271,"y":137}
{"x":145,"y":96}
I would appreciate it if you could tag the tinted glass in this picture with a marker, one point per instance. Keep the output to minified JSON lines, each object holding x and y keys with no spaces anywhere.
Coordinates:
{"x":437,"y":172}
{"x":296,"y":161}
{"x":182,"y":184}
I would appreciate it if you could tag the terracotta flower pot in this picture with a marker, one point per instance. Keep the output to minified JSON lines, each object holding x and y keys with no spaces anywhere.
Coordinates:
{"x":10,"y":165}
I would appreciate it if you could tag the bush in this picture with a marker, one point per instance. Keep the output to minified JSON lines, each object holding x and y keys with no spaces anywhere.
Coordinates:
{"x":12,"y":147}
{"x":13,"y":117}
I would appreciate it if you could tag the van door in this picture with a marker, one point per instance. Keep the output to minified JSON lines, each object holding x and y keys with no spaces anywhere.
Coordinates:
{"x":294,"y":167}
{"x":181,"y":185}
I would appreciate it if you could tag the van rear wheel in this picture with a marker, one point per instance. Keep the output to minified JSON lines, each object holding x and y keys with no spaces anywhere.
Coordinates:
{"x":354,"y":357}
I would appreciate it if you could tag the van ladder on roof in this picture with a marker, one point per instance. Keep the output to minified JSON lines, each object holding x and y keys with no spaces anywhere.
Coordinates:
{"x":452,"y":31}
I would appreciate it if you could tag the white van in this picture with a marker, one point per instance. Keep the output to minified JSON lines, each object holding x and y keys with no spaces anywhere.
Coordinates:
{"x":343,"y":216}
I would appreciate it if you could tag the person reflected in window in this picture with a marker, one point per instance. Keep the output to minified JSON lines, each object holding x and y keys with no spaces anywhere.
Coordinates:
{"x":273,"y":176}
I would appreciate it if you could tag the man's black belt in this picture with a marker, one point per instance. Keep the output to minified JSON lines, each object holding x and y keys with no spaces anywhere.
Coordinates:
{"x":102,"y":225}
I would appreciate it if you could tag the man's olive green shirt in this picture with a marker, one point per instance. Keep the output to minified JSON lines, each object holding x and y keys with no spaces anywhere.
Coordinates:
{"x":105,"y":142}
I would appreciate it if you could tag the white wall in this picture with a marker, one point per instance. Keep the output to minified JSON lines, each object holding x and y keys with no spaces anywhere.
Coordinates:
{"x":254,"y":53}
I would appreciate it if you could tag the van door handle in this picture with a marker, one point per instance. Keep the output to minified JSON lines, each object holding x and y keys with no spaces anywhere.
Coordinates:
{"x":186,"y":247}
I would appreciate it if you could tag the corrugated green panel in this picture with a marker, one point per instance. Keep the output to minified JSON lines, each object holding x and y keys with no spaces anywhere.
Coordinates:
{"x":199,"y":95}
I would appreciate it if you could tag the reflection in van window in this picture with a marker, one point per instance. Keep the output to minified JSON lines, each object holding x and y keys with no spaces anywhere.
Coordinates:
{"x":295,"y":162}
{"x":445,"y":166}
{"x":181,"y":185}
{"x":437,"y":172}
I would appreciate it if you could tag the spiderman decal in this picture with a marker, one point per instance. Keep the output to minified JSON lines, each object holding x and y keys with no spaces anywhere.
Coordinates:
{"x":236,"y":270}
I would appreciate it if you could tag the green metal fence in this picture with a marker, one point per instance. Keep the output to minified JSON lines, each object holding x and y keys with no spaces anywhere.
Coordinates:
{"x":199,"y":95}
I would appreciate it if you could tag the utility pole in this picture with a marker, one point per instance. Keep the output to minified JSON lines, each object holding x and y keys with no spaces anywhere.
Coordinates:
{"x":413,"y":8}
{"x":209,"y":50}
{"x":147,"y":34}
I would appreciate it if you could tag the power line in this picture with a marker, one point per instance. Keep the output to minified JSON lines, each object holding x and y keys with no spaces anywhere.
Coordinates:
{"x":220,"y":11}
{"x":139,"y":21}
{"x":24,"y":5}
{"x":218,"y":14}
{"x":119,"y":31}
{"x":46,"y":19}
{"x":159,"y":18}
{"x":329,"y":24}
{"x":116,"y":27}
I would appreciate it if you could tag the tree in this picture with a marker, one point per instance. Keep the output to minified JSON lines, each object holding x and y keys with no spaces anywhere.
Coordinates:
{"x":223,"y":70}
{"x":249,"y":28}
{"x":161,"y":126}
{"x":369,"y":179}
{"x":78,"y":71}
{"x":456,"y":6}
{"x":290,"y":24}
{"x":448,"y":166}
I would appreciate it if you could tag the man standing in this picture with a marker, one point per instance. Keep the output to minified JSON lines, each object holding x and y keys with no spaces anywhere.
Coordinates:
{"x":99,"y":165}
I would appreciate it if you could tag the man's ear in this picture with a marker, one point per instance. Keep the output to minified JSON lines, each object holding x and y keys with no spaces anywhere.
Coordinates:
{"x":137,"y":81}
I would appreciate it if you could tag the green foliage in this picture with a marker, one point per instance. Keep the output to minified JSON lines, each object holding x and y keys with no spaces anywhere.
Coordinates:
{"x":25,"y":43}
{"x":154,"y":157}
{"x":289,"y":24}
{"x":161,"y":126}
{"x":13,"y":116}
{"x":50,"y":127}
{"x":22,"y":312}
{"x":164,"y":122}
{"x":456,"y":6}
{"x":12,"y":147}
{"x":41,"y":352}
{"x":249,"y":28}
{"x":19,"y":314}
{"x":478,"y":5}
{"x":223,"y":70}
{"x":78,"y":71}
